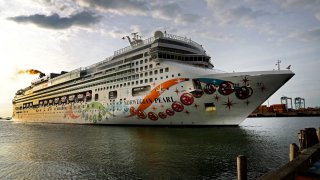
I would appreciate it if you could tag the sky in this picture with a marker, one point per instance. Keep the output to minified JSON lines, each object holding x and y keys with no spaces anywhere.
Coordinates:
{"x":239,"y":35}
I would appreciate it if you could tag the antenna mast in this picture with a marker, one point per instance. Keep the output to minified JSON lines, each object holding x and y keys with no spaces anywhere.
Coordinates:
{"x":278,"y":64}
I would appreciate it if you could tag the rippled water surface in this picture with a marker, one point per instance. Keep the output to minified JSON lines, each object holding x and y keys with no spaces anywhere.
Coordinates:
{"x":60,"y":151}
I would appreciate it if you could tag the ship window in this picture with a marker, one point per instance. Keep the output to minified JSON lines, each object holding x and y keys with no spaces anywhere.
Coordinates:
{"x":145,"y":67}
{"x":96,"y":97}
{"x":141,"y":68}
{"x":141,"y":61}
{"x":142,"y":90}
{"x":146,"y":60}
{"x":155,"y":71}
{"x":167,"y":69}
{"x":146,"y":81}
{"x":166,"y":77}
{"x":172,"y":75}
{"x":137,"y":63}
{"x":124,"y":84}
{"x":146,"y":74}
{"x":179,"y":74}
{"x":137,"y":69}
{"x":141,"y":81}
{"x":150,"y":66}
{"x":155,"y":79}
{"x":150,"y":73}
{"x":88,"y":96}
{"x":141,"y":75}
{"x":113,"y":94}
{"x":132,"y":64}
{"x":63,"y":99}
{"x":120,"y":85}
{"x":161,"y":77}
{"x":151,"y":79}
{"x":210,"y":107}
{"x":132,"y":83}
{"x":137,"y":82}
{"x":117,"y":85}
{"x":161,"y":70}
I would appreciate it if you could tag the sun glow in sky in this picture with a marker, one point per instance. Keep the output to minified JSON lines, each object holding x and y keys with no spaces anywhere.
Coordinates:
{"x":247,"y":35}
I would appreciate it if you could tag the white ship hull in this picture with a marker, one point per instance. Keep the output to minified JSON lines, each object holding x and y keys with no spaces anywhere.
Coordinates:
{"x":164,"y":80}
{"x":221,"y":109}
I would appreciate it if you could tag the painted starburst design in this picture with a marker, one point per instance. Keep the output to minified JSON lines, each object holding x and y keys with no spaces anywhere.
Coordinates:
{"x":154,"y":108}
{"x":229,"y":104}
{"x":245,"y":80}
{"x":177,"y":91}
{"x":263,"y":88}
{"x":217,"y":97}
{"x":178,"y":80}
{"x":154,"y":84}
{"x":159,"y":89}
{"x":247,"y":102}
{"x":214,"y":81}
{"x":196,"y":105}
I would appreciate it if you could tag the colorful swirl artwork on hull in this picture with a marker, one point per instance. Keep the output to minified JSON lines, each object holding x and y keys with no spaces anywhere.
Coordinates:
{"x":211,"y":86}
{"x":96,"y":112}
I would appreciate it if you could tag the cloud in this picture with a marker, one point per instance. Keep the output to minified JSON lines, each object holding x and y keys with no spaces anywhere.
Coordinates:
{"x":173,"y":12}
{"x":166,"y":11}
{"x":117,"y":6}
{"x":317,"y":15}
{"x":185,"y":19}
{"x":309,"y":35}
{"x":238,"y":13}
{"x":55,"y":21}
{"x":299,"y":4}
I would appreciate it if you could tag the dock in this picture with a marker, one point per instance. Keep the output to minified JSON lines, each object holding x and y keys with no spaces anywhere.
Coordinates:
{"x":304,"y":161}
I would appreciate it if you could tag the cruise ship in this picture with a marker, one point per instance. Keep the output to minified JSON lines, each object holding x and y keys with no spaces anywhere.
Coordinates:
{"x":163,"y":80}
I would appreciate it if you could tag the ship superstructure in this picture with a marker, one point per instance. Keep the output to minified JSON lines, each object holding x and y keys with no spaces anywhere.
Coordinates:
{"x":162,"y":80}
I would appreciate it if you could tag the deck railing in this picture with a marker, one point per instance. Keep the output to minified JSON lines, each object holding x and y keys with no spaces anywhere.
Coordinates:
{"x":145,"y":42}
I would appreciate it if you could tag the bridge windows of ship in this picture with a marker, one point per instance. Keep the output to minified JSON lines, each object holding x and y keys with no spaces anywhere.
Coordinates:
{"x":96,"y":97}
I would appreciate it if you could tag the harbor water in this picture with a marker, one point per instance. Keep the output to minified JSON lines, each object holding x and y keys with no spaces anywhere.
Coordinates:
{"x":64,"y":151}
